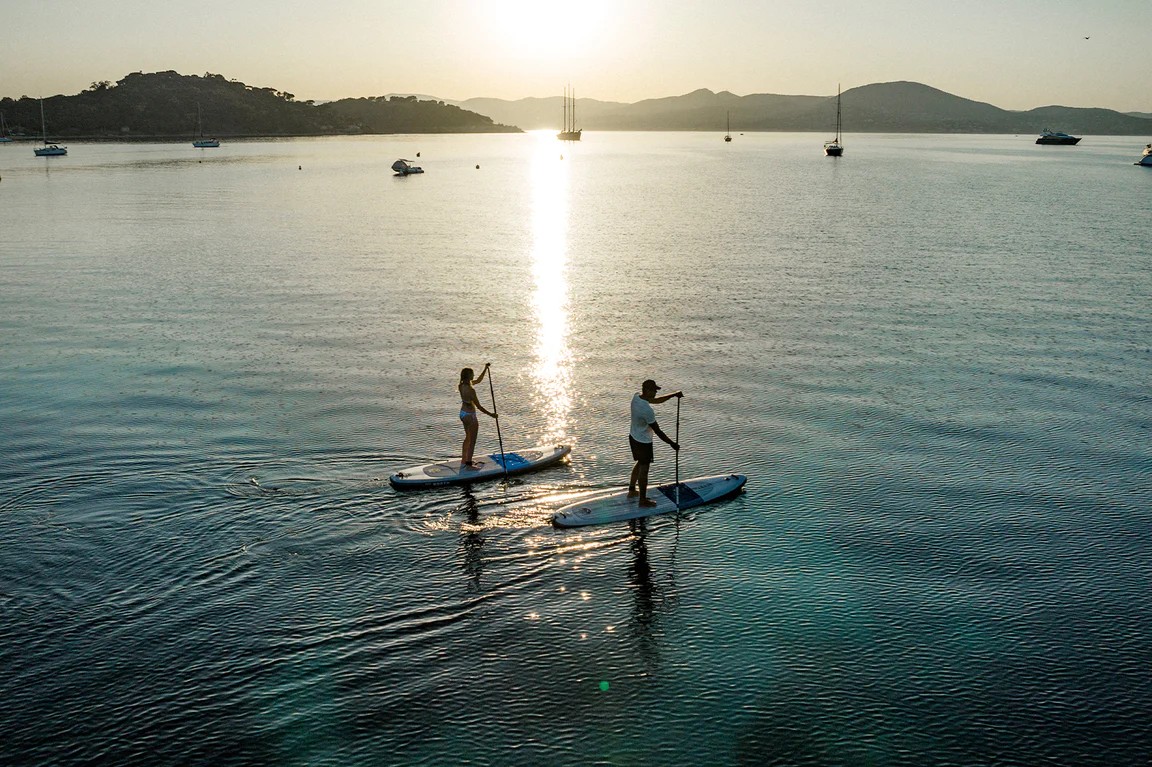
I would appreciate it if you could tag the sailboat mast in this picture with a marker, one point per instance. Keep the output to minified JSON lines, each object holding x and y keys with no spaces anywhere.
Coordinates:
{"x":837,"y":113}
{"x":573,"y":110}
{"x":43,"y":126}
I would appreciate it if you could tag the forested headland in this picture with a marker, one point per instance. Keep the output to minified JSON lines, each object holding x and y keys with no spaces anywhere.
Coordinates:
{"x":169,"y":105}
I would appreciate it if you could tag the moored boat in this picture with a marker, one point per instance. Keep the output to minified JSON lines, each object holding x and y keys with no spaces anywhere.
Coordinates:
{"x":570,"y":131}
{"x":48,"y":150}
{"x":1145,"y":157}
{"x":1057,"y":138}
{"x":405,"y":168}
{"x":835,"y":148}
{"x":202,"y":142}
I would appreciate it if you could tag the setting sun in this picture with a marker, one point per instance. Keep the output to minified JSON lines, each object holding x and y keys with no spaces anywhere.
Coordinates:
{"x":532,"y":29}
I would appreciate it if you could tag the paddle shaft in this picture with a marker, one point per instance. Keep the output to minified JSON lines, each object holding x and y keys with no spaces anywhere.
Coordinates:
{"x":499,"y":438}
{"x":678,"y":452}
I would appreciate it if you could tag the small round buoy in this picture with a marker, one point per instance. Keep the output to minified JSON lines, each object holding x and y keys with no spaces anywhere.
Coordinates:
{"x":477,"y":167}
{"x":417,"y":154}
{"x":299,"y":167}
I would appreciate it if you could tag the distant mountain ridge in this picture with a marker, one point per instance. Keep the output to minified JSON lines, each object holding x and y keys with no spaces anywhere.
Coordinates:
{"x":164,"y":105}
{"x":896,"y":107}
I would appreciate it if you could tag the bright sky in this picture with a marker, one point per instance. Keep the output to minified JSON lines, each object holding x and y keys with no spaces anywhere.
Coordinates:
{"x":1016,"y":54}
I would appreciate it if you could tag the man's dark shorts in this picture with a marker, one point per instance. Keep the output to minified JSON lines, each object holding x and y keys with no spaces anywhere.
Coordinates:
{"x":641,"y":451}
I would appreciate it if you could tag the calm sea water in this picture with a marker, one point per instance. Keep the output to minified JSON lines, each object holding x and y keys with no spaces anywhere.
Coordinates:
{"x":931,"y":357}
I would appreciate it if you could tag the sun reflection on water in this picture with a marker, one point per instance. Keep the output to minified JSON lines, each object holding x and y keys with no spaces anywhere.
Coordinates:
{"x":552,"y":371}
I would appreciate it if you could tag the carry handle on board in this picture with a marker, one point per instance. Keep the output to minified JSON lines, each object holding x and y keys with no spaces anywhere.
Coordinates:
{"x":496,"y":410}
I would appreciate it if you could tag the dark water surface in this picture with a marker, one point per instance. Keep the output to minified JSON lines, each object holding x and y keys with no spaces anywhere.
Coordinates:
{"x":931,"y":357}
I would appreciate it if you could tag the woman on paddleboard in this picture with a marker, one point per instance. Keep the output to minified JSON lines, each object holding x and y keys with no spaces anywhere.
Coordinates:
{"x":469,"y":404}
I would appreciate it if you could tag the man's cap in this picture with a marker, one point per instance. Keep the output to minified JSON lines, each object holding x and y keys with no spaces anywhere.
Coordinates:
{"x":649,"y":383}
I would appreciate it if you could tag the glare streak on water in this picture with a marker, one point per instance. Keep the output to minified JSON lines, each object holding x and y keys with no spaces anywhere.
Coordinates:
{"x":930,"y":357}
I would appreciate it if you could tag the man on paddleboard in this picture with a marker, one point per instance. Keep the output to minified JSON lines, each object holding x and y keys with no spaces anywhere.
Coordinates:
{"x":640,"y":438}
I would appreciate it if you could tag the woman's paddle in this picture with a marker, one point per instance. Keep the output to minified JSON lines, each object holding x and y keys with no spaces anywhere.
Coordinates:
{"x":677,"y":451}
{"x":499,"y":439}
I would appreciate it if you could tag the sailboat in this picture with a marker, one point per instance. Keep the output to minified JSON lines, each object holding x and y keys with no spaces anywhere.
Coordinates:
{"x":834,"y":148}
{"x":570,"y":131}
{"x":203,"y":143}
{"x":48,"y":150}
{"x":728,"y":133}
{"x":4,"y":137}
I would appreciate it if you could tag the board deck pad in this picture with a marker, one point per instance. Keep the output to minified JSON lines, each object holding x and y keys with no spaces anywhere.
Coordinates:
{"x":513,"y":461}
{"x":489,"y":467}
{"x":617,"y":506}
{"x":688,"y":496}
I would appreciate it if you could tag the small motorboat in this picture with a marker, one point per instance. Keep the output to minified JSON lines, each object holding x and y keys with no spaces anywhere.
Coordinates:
{"x":50,"y":150}
{"x":406,"y":168}
{"x":1056,"y":137}
{"x":1145,"y":157}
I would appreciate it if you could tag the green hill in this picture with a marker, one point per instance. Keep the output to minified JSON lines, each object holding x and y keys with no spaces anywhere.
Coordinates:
{"x":164,"y":105}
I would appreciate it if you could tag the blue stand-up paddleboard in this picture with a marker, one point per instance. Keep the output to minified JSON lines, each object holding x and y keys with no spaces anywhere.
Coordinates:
{"x":490,"y":467}
{"x":618,"y":506}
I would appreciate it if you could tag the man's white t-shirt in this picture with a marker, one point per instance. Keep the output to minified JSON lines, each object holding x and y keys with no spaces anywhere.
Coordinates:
{"x":643,"y":416}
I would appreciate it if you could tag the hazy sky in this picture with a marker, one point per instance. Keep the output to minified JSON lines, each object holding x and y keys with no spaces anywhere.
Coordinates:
{"x":1016,"y":54}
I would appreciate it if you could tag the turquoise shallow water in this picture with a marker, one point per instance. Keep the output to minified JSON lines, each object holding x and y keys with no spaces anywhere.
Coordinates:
{"x":931,"y":357}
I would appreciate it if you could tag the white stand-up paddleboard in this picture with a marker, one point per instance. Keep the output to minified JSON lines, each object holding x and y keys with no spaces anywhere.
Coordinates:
{"x":618,"y":506}
{"x":490,"y":467}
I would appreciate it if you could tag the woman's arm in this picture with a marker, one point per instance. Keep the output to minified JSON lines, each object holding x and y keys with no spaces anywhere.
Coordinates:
{"x":483,"y":373}
{"x":471,"y":398}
